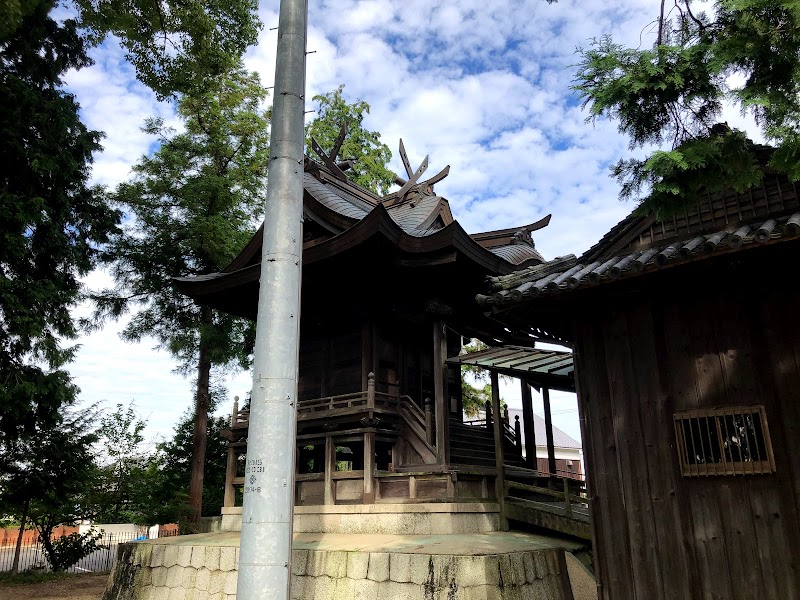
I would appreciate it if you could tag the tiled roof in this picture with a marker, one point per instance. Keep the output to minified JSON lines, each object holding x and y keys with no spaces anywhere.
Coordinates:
{"x":567,"y":273}
{"x":517,"y":253}
{"x":552,"y":368}
{"x":417,"y":215}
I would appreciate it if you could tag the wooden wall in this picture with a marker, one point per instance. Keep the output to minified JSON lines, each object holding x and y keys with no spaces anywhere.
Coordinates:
{"x":690,"y":342}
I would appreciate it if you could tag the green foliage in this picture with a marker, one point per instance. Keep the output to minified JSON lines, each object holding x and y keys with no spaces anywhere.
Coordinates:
{"x":51,"y":222}
{"x":193,"y":205}
{"x":175,"y":46}
{"x":49,"y":474}
{"x":122,"y":469}
{"x":69,"y":549}
{"x":162,"y":498}
{"x":674,"y":93}
{"x":474,"y":398}
{"x":365,"y":146}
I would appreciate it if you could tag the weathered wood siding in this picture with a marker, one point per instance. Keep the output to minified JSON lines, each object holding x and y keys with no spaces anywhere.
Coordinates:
{"x":685,"y":344}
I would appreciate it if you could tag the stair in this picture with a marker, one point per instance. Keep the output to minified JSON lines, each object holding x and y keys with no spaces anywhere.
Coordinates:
{"x":474,"y":446}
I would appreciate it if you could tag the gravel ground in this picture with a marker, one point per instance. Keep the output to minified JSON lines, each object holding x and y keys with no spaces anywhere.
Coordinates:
{"x":87,"y":586}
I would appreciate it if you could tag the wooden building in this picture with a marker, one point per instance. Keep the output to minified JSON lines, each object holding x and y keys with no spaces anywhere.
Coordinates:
{"x":387,"y":295}
{"x":686,"y":337}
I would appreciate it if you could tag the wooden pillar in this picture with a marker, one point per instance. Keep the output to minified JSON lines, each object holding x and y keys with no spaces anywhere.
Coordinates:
{"x":230,"y":473}
{"x":369,"y":468}
{"x":548,"y":427}
{"x":430,"y":428}
{"x":330,"y":467}
{"x":440,"y":397}
{"x":229,"y":498}
{"x":529,"y":426}
{"x":499,"y":459}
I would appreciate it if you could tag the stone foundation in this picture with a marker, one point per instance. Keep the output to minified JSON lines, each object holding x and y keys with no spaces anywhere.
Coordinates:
{"x":490,"y":566}
{"x":395,"y":519}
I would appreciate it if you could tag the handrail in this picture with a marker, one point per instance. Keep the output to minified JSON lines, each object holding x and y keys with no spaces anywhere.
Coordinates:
{"x":368,"y":398}
{"x":547,"y":491}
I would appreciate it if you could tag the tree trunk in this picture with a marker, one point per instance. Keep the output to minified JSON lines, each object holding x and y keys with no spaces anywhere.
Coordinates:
{"x":200,"y":428}
{"x":45,"y":534}
{"x":15,"y":565}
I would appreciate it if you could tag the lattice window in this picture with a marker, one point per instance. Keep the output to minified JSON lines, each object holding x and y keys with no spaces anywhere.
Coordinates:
{"x":724,"y":441}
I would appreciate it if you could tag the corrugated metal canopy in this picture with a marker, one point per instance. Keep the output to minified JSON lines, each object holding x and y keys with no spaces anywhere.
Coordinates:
{"x":552,"y":369}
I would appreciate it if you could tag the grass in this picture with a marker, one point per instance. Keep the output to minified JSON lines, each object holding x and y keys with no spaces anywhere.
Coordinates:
{"x":31,"y":577}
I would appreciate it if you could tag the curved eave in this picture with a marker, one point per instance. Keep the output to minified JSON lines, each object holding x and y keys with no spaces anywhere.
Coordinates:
{"x":377,"y":223}
{"x":313,"y":209}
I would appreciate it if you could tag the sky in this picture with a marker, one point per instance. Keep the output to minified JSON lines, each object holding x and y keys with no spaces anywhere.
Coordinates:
{"x":482,"y":86}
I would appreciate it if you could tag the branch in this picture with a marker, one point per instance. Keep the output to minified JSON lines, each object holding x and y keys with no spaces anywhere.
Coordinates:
{"x":660,"y":39}
{"x":697,"y":21}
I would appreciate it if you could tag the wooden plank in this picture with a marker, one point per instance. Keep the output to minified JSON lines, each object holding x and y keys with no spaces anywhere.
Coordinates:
{"x":611,"y":544}
{"x":670,"y":508}
{"x":624,"y":396}
{"x":709,"y":539}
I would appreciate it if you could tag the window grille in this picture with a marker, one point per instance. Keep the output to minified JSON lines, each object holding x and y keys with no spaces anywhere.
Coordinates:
{"x":724,"y":441}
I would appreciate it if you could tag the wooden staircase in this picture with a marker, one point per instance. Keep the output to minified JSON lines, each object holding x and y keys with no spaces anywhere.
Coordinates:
{"x":473,"y":446}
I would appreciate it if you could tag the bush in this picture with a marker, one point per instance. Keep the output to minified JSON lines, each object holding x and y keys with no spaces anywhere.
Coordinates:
{"x":69,"y":549}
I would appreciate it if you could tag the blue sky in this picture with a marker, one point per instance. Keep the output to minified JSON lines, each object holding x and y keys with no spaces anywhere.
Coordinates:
{"x":483,"y":86}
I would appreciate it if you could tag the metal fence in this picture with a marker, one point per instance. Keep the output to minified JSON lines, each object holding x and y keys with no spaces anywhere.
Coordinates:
{"x":32,"y":556}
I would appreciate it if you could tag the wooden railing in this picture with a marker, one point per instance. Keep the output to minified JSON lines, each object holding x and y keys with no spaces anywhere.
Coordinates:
{"x":565,"y":495}
{"x":510,"y":432}
{"x":419,"y":419}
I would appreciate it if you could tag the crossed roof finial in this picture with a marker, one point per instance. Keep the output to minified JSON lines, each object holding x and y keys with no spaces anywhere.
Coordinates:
{"x":329,"y":160}
{"x":406,"y":185}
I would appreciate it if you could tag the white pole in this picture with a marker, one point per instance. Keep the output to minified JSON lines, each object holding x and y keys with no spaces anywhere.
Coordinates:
{"x":266,"y":545}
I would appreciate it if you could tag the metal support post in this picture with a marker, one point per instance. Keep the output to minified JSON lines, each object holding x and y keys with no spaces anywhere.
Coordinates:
{"x":266,"y":543}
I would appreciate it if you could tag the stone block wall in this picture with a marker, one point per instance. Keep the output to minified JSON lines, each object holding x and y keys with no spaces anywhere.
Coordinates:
{"x":159,"y":571}
{"x":392,"y":519}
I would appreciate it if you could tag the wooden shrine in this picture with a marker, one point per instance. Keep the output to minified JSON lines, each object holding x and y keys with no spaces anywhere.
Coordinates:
{"x":686,"y":336}
{"x":388,"y":294}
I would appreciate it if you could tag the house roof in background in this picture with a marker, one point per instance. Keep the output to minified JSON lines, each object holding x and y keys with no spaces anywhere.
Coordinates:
{"x":560,"y":439}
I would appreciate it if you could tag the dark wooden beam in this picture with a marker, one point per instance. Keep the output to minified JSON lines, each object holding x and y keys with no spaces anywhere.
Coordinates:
{"x":528,"y":424}
{"x":440,"y":397}
{"x":499,"y":458}
{"x":548,"y":426}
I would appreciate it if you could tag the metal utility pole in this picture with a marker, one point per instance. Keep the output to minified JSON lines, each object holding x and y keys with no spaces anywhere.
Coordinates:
{"x":266,"y":547}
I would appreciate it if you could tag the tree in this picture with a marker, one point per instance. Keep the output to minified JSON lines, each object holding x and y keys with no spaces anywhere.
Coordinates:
{"x":371,"y":156}
{"x":674,"y":92}
{"x":51,"y":220}
{"x":473,"y":398}
{"x":47,"y":475}
{"x":163,"y":497}
{"x":176,"y":47}
{"x":193,"y":204}
{"x":122,"y":468}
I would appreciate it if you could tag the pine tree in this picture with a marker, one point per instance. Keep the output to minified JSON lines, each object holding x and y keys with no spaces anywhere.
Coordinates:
{"x":192,"y":206}
{"x":51,"y":221}
{"x":673,"y":94}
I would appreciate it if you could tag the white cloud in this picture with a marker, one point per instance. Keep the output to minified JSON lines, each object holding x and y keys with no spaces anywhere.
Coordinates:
{"x":481,"y":86}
